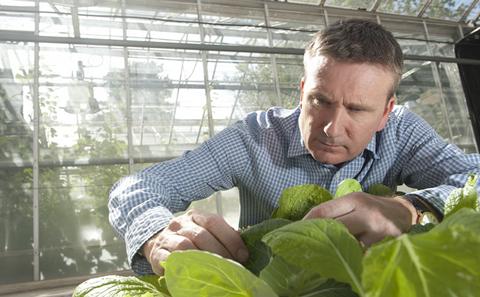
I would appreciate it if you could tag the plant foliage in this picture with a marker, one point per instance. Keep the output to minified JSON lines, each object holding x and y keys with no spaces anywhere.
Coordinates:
{"x":319,"y":257}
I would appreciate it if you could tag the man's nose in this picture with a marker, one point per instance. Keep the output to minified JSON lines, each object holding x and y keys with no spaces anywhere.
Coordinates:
{"x":335,"y":123}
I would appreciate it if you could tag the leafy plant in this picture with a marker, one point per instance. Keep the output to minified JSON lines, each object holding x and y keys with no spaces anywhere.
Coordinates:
{"x":319,"y":257}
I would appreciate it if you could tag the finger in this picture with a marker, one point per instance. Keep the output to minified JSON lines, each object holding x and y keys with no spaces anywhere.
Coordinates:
{"x":225,"y":234}
{"x":332,"y":208}
{"x":157,"y":256}
{"x":173,"y":242}
{"x":354,"y":222}
{"x":204,"y":240}
{"x":369,"y":238}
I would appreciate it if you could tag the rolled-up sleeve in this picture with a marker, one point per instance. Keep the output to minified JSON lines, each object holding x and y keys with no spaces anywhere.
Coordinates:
{"x":142,"y":204}
{"x":432,"y":165}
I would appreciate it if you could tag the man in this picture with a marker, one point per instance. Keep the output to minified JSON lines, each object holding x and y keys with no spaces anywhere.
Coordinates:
{"x":346,"y":126}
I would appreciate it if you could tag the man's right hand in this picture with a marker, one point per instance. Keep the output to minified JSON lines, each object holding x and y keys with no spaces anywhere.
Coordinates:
{"x":195,"y":230}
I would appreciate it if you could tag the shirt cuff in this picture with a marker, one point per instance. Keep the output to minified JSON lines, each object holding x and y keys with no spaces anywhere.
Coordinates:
{"x":422,"y":205}
{"x":143,"y":228}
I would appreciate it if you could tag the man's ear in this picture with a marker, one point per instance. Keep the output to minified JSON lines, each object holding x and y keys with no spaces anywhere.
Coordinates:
{"x":388,"y":108}
{"x":302,"y":84}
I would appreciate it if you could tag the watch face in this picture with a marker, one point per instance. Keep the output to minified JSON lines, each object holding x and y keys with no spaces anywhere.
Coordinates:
{"x":427,"y":217}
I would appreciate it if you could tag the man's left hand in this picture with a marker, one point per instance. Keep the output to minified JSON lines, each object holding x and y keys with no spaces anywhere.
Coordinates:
{"x":368,"y":217}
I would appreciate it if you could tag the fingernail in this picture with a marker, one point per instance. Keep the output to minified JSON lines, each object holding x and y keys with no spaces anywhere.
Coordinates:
{"x":242,"y":255}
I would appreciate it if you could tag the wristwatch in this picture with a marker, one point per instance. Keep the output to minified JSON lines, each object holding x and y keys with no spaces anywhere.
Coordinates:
{"x":426,"y":213}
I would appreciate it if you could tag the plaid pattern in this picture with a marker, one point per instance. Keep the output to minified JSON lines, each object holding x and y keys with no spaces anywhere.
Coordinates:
{"x":264,"y":154}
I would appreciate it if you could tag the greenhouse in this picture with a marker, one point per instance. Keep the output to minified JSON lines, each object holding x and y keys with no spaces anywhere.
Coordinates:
{"x":95,"y":90}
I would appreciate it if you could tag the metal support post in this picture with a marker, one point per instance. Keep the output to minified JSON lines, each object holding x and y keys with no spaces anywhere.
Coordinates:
{"x":127,"y":93}
{"x":36,"y":155}
{"x":273,"y":58}
{"x":211,"y":131}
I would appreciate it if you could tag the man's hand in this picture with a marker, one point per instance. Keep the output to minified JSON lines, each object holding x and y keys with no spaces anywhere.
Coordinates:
{"x":369,"y":218}
{"x":195,"y":230}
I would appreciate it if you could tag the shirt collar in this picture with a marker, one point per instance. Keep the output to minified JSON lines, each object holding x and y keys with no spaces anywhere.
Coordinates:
{"x":297,"y":147}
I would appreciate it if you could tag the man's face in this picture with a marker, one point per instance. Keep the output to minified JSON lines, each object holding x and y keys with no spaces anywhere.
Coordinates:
{"x":342,"y":105}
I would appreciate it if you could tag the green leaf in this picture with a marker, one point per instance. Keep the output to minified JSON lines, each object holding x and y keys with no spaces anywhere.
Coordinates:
{"x":259,"y":254}
{"x":434,"y":264}
{"x":466,"y":197}
{"x":118,"y":286}
{"x":380,"y":190}
{"x":348,"y":186}
{"x":466,"y":217}
{"x":331,"y":288}
{"x":418,"y":228}
{"x":162,"y":286}
{"x":200,"y":273}
{"x":296,"y":201}
{"x":290,"y":280}
{"x":323,"y":246}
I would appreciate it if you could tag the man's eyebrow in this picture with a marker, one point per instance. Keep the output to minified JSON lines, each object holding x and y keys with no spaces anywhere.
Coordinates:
{"x":319,"y":93}
{"x":359,"y":106}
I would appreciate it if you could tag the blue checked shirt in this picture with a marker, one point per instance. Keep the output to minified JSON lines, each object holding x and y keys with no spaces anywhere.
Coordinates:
{"x":264,"y":154}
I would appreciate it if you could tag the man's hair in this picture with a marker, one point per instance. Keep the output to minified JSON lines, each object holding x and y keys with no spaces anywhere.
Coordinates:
{"x":358,"y":41}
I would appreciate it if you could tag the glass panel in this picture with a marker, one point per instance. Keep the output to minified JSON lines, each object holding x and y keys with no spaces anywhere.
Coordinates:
{"x":175,"y":22}
{"x":18,"y":21}
{"x":16,"y":130}
{"x":101,"y":26}
{"x":410,"y":36}
{"x":451,"y":10}
{"x":235,"y":25}
{"x":82,"y":102}
{"x":16,"y":107}
{"x":444,"y":109}
{"x":25,"y":3}
{"x":294,"y":29}
{"x":241,"y":83}
{"x":168,"y":100}
{"x":461,"y":126}
{"x":402,"y":7}
{"x":474,"y":13}
{"x":16,"y":224}
{"x":442,"y":39}
{"x":56,"y":20}
{"x":355,"y":4}
{"x":84,"y":243}
{"x":290,"y":72}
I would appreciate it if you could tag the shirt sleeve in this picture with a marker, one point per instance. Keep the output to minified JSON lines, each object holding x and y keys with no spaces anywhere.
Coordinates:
{"x":430,"y":164}
{"x":142,"y":204}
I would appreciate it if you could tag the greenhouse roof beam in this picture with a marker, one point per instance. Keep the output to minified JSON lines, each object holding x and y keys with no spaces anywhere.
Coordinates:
{"x":375,"y":5}
{"x":16,"y":36}
{"x":424,"y":8}
{"x":468,"y":11}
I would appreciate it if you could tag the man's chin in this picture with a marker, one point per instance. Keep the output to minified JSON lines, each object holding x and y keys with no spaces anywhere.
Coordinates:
{"x":329,"y":158}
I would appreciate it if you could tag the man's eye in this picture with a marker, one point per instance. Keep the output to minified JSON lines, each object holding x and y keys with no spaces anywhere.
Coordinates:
{"x":318,"y":101}
{"x":355,"y":109}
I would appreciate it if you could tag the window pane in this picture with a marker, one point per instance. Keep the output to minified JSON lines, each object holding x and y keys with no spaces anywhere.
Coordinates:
{"x":443,"y":108}
{"x":234,"y":25}
{"x":16,"y":155}
{"x":294,"y":29}
{"x":16,"y":224}
{"x":402,"y":7}
{"x":354,"y":4}
{"x":84,"y":243}
{"x":450,"y":10}
{"x":57,"y":20}
{"x":18,"y":21}
{"x":83,"y":103}
{"x":168,"y":100}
